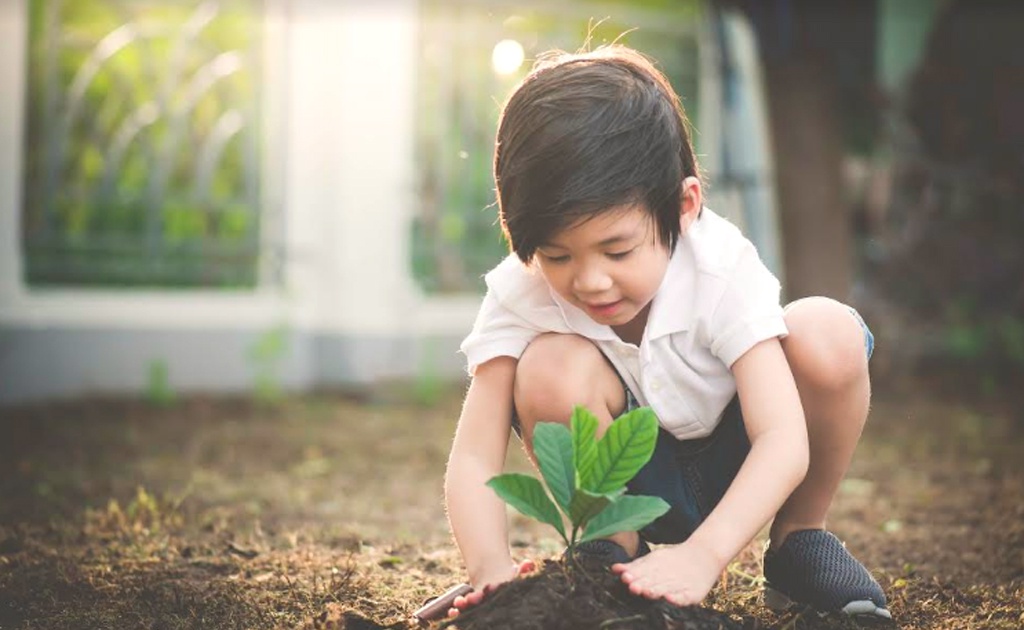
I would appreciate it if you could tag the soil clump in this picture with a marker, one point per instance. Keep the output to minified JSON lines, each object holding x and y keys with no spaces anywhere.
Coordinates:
{"x":569,"y":594}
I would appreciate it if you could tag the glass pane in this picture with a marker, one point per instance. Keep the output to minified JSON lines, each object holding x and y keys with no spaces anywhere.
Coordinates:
{"x":142,"y":148}
{"x":472,"y":55}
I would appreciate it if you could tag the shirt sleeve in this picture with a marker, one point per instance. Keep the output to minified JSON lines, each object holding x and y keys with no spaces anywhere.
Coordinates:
{"x":748,"y":311}
{"x":497,"y":332}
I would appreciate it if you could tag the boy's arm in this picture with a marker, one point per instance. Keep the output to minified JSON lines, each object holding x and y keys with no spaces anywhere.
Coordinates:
{"x":778,"y":457}
{"x":777,"y":462}
{"x":476,"y":514}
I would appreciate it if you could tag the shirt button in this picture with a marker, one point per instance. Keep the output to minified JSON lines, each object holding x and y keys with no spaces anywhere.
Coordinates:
{"x":655,"y":385}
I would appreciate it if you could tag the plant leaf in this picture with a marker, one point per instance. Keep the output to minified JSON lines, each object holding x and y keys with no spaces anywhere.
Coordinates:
{"x":628,"y":513}
{"x":584,"y":442}
{"x":586,"y":505}
{"x":527,"y":495}
{"x":552,"y":444}
{"x":626,"y":446}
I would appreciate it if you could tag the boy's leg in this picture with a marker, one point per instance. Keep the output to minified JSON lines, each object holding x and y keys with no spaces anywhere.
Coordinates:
{"x":828,"y":348}
{"x":826,"y":351}
{"x":557,"y":372}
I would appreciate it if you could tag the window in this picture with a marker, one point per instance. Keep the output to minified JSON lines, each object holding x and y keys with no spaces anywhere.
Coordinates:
{"x":142,"y":149}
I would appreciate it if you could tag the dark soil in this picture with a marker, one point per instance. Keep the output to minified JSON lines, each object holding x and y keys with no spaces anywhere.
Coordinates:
{"x":326,"y":513}
{"x":568,"y":595}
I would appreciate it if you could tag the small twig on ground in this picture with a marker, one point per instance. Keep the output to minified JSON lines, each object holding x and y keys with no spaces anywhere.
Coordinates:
{"x":610,"y":623}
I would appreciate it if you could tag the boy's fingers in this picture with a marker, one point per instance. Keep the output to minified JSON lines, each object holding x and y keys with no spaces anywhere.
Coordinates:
{"x":462,"y":602}
{"x":452,"y":599}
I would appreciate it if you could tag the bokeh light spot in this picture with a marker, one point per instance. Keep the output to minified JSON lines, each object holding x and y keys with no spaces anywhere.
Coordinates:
{"x":507,"y":56}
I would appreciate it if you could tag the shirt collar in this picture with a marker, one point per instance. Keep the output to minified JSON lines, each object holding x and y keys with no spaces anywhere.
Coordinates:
{"x":672,"y":307}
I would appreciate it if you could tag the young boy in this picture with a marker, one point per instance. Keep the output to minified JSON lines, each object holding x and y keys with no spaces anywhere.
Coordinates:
{"x":623,"y":290}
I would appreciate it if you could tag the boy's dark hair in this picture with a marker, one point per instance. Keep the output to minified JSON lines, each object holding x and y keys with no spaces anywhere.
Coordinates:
{"x":584,"y":133}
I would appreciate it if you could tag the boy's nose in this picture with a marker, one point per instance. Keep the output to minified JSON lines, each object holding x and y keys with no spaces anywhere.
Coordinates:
{"x":591,"y":280}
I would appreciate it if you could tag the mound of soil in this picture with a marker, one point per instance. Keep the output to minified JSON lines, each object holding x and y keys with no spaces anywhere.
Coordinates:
{"x":569,"y":594}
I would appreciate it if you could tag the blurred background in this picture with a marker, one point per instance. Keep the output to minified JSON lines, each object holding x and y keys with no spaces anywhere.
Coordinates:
{"x":277,"y":196}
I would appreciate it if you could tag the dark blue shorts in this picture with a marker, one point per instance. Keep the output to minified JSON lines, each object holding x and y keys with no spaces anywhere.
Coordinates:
{"x":693,"y":475}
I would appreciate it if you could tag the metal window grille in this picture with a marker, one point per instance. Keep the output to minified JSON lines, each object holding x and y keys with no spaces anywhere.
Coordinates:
{"x":143,"y":147}
{"x":455,"y":235}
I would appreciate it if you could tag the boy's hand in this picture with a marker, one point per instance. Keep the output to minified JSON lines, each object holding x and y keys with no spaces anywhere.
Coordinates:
{"x":485,"y":585}
{"x":682,"y":574}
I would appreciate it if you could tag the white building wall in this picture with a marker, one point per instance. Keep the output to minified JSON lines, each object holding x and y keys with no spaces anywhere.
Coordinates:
{"x":341,"y":188}
{"x":12,"y":79}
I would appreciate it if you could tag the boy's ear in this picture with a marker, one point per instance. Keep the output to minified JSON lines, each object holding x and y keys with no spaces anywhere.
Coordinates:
{"x":690,"y":202}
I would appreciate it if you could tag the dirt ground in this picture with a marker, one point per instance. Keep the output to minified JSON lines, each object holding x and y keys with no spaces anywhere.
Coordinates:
{"x":326,"y":512}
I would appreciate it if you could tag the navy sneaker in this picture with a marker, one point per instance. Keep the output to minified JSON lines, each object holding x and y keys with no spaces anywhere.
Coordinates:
{"x":607,"y":552}
{"x":813,"y":568}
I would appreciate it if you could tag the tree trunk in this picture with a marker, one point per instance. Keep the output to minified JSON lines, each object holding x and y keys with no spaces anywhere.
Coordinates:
{"x":808,"y":151}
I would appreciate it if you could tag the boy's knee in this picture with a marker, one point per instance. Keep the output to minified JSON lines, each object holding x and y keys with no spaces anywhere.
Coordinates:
{"x":825,"y":346}
{"x":557,"y":372}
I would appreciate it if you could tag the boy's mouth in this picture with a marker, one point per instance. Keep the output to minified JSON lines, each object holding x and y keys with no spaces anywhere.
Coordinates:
{"x":604,"y":310}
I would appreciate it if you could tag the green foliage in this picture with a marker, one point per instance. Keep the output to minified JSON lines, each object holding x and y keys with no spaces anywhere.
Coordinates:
{"x":584,"y":441}
{"x":587,"y":477}
{"x":586,"y":505}
{"x":158,"y":386}
{"x":527,"y":495}
{"x":127,"y":181}
{"x":553,"y":446}
{"x":144,"y":514}
{"x":1001,"y":337}
{"x":624,"y":449}
{"x":428,"y":384}
{"x":266,"y":355}
{"x":625,"y":513}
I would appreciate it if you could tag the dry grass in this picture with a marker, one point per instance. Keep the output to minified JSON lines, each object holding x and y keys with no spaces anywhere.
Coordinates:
{"x":215,"y":513}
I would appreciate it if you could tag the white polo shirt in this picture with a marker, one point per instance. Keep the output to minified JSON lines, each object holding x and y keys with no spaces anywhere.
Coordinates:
{"x":717,"y":301}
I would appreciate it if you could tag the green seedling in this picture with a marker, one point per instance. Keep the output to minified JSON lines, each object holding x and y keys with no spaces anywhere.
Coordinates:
{"x":587,"y":477}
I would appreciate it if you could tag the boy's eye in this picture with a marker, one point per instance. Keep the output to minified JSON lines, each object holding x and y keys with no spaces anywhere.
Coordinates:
{"x":619,"y":255}
{"x":555,"y":259}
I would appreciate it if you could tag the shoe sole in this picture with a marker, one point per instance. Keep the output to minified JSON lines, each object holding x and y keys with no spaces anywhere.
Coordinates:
{"x":861,"y":609}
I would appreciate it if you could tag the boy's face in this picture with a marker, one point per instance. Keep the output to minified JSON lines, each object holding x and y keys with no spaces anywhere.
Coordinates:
{"x":609,"y":266}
